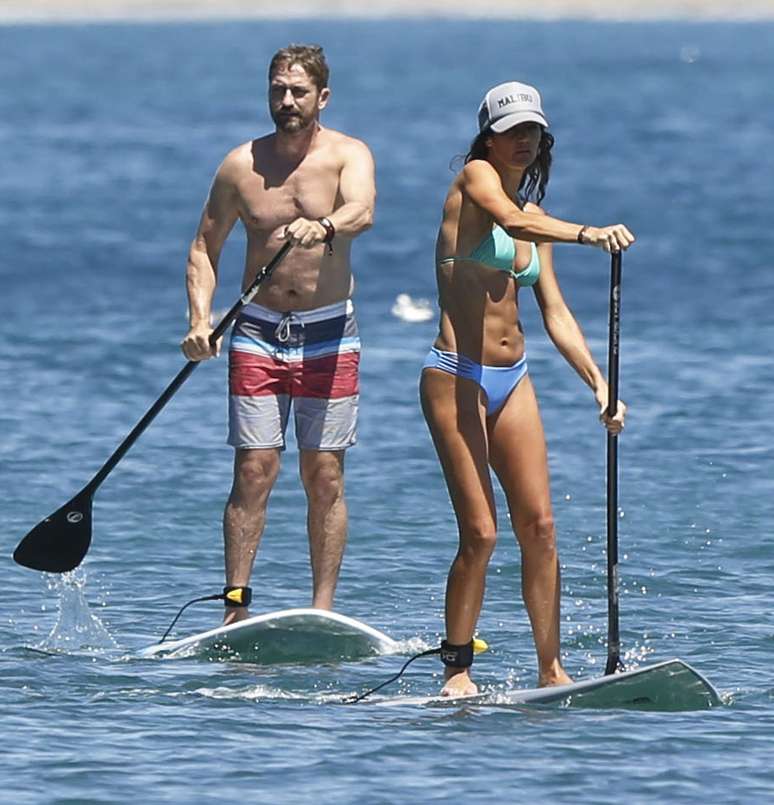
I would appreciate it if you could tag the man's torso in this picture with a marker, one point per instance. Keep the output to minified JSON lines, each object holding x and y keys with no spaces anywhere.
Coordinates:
{"x":270,"y":195}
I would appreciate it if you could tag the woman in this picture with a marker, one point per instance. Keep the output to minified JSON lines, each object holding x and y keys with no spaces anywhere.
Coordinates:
{"x":477,"y":397}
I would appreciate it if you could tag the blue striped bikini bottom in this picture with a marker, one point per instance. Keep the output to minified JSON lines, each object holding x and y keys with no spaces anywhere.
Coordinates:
{"x":497,"y":382}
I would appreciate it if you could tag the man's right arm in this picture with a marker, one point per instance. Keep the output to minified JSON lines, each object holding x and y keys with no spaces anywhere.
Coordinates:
{"x":218,"y":218}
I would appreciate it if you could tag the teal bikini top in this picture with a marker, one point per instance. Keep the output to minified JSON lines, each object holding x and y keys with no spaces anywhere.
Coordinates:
{"x":497,"y":250}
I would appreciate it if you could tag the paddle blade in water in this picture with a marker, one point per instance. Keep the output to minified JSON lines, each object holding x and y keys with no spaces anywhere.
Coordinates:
{"x":59,"y":543}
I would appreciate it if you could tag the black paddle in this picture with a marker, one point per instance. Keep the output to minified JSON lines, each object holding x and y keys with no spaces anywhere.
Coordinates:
{"x":614,"y":662}
{"x":60,"y":542}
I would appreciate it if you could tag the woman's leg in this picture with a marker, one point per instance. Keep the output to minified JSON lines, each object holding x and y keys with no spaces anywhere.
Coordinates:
{"x":455,"y":412}
{"x":518,"y":455}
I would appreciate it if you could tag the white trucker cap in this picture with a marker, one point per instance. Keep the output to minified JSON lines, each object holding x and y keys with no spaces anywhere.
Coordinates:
{"x":509,"y":104}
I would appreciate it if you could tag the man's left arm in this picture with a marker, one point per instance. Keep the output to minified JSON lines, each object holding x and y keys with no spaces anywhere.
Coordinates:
{"x":357,"y":190}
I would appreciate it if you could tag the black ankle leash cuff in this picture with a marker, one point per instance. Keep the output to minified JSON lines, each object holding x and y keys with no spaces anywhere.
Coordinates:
{"x":457,"y":656}
{"x":237,"y":596}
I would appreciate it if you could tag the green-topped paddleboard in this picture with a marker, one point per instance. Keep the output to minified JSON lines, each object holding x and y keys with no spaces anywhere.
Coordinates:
{"x":671,"y":685}
{"x":288,"y":636}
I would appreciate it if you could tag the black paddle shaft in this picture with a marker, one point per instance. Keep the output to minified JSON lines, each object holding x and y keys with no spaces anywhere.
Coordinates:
{"x":185,"y":372}
{"x":59,"y":543}
{"x":613,"y":360}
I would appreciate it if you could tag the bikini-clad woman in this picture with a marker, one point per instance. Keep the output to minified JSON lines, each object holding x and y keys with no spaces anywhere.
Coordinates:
{"x":476,"y":394}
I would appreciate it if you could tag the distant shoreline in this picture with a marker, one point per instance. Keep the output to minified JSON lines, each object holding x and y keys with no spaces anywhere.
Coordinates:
{"x":43,"y":11}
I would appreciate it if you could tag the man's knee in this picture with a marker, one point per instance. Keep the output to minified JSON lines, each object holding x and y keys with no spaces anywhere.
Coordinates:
{"x":322,"y":475}
{"x":255,"y":471}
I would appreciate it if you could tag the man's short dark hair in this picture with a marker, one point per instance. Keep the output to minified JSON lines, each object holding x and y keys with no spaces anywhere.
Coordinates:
{"x":310,"y":57}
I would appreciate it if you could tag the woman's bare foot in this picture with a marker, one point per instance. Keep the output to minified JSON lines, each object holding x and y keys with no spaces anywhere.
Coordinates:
{"x":553,"y":675}
{"x":458,"y":683}
{"x":234,"y":614}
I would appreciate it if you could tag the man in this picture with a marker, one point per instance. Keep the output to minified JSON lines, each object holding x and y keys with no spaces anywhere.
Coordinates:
{"x":297,"y":341}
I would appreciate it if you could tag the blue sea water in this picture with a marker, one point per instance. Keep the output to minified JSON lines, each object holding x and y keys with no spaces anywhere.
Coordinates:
{"x":109,"y":137}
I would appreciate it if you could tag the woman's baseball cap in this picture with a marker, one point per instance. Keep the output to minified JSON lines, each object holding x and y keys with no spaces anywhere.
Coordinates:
{"x":509,"y":104}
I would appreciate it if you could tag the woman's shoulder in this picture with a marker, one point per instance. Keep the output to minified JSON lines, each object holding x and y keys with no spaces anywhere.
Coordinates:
{"x":477,"y":167}
{"x":477,"y":172}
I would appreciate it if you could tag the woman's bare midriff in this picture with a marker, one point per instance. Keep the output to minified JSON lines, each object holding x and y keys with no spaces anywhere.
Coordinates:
{"x":479,"y":314}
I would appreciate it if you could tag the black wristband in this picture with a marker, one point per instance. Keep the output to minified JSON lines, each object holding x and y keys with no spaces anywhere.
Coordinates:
{"x":457,"y":656}
{"x":330,"y":232}
{"x":581,"y":233}
{"x":237,"y":596}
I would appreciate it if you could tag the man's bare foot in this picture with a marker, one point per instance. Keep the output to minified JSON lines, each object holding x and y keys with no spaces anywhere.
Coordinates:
{"x":234,"y":614}
{"x":458,"y":683}
{"x":554,"y":675}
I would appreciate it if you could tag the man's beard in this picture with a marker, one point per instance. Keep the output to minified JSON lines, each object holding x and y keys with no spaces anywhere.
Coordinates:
{"x":289,"y":123}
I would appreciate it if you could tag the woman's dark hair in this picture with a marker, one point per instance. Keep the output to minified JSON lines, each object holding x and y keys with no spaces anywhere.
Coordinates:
{"x":535,"y":180}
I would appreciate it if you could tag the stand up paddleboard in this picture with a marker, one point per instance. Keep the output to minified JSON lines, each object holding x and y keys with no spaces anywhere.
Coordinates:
{"x":288,"y":636}
{"x":671,"y":685}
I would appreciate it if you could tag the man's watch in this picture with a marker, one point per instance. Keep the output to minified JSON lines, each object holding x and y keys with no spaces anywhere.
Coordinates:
{"x":330,"y":232}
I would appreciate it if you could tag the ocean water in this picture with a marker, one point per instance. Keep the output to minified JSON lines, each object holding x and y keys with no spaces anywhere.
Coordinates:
{"x":109,"y":137}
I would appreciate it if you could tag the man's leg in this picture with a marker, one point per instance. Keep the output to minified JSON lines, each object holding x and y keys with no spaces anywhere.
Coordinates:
{"x":255,"y":472}
{"x":325,"y":402}
{"x":322,"y":473}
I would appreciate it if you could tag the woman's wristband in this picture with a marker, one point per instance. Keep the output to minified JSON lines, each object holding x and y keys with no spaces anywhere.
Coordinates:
{"x":330,"y":232}
{"x":581,"y":233}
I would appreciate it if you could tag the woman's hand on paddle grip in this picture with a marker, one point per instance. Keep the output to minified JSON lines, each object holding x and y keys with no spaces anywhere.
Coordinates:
{"x":610,"y":238}
{"x":614,"y":424}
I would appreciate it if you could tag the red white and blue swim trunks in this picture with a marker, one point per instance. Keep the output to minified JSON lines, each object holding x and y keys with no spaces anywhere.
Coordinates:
{"x":310,"y":358}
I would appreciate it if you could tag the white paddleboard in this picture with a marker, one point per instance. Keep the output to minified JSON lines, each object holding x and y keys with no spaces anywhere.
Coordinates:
{"x":669,"y":685}
{"x":288,"y":636}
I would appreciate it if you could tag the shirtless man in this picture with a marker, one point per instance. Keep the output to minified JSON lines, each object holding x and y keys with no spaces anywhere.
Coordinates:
{"x":297,"y":341}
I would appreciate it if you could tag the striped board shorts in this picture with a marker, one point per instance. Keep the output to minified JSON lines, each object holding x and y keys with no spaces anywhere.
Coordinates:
{"x":310,"y":358}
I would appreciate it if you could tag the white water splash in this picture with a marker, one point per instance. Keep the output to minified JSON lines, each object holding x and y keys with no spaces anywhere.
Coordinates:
{"x":76,"y":629}
{"x":412,"y":645}
{"x":250,"y":694}
{"x":409,"y":309}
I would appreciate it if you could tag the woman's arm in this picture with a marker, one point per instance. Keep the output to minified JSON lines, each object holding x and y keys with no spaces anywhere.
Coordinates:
{"x":566,"y":334}
{"x":482,"y":184}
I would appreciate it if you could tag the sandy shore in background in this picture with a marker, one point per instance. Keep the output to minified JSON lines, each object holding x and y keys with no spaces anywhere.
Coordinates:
{"x":64,"y":10}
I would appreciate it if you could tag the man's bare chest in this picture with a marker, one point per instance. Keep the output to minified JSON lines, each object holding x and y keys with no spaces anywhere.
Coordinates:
{"x":267,"y":202}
